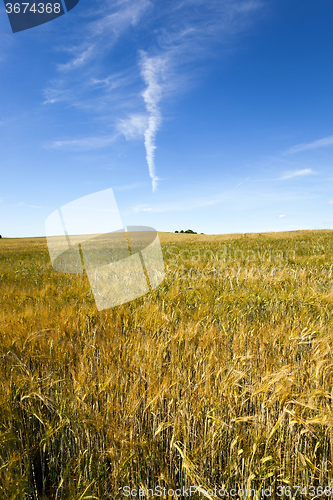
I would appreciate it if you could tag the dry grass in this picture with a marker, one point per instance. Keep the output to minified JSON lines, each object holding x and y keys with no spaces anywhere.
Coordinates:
{"x":220,"y":377}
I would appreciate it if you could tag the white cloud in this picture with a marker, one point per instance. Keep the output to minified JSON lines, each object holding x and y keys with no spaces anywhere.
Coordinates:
{"x":281,"y":216}
{"x":84,"y":144}
{"x":112,"y":82}
{"x":133,"y":127}
{"x":56,"y":94}
{"x":242,"y":182}
{"x":126,"y":13}
{"x":297,"y":173}
{"x":142,"y":208}
{"x":330,"y":202}
{"x":177,"y":206}
{"x":100,"y":29}
{"x":188,"y":37}
{"x":78,"y":61}
{"x":152,"y":69}
{"x":320,"y":143}
{"x":183,"y":33}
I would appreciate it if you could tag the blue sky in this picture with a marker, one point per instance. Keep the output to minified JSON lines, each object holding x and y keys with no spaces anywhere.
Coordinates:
{"x":214,"y":115}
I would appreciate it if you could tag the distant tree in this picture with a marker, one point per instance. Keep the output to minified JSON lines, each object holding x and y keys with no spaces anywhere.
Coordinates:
{"x":181,"y":231}
{"x":190,"y":231}
{"x":0,"y":236}
{"x":176,"y":231}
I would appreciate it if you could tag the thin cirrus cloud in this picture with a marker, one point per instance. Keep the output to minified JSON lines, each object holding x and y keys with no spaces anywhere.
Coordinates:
{"x":111,"y":20}
{"x":176,"y":206}
{"x":181,"y":33}
{"x":78,"y":61}
{"x":144,"y":208}
{"x":133,"y":127}
{"x":83,"y":144}
{"x":320,"y":143}
{"x":100,"y":30}
{"x":297,"y":173}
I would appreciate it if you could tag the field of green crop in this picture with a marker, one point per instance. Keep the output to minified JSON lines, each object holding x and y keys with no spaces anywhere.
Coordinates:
{"x":222,"y":377}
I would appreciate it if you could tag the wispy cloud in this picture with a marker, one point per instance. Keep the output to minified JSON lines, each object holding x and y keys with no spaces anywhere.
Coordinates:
{"x":83,"y":144}
{"x":320,"y":143}
{"x":180,"y":44}
{"x":55,"y":93}
{"x":281,"y":216}
{"x":177,"y":206}
{"x":297,"y":173}
{"x":106,"y":18}
{"x":182,"y":33}
{"x":78,"y":61}
{"x":142,"y":208}
{"x":330,"y":202}
{"x":152,"y":69}
{"x":133,"y":127}
{"x":115,"y":17}
{"x":84,"y":74}
{"x":242,"y":182}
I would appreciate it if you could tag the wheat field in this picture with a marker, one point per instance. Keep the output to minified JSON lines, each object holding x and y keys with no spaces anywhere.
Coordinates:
{"x":220,"y":378}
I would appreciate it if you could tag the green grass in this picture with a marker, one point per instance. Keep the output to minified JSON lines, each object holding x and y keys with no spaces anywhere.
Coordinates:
{"x":222,"y":376}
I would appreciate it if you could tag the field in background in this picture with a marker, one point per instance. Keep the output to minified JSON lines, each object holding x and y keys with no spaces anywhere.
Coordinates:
{"x":222,"y":376}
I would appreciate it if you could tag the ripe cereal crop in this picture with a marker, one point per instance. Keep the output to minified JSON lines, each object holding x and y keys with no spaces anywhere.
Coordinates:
{"x":221,"y":376}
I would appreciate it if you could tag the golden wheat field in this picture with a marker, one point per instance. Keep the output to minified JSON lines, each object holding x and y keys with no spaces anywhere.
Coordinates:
{"x":220,"y":378}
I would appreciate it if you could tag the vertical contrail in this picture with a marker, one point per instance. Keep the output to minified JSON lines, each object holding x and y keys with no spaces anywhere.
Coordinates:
{"x":151,"y":69}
